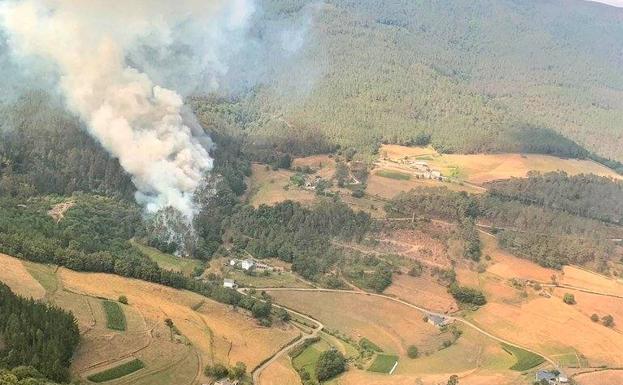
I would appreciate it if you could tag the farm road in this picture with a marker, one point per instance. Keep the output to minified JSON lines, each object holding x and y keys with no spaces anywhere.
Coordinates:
{"x":419,"y":308}
{"x":319,"y":326}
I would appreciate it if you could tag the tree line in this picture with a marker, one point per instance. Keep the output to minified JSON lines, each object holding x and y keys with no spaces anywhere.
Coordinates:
{"x":589,"y":196}
{"x":38,"y":335}
{"x":549,"y":231}
{"x":297,"y":234}
{"x":94,"y":236}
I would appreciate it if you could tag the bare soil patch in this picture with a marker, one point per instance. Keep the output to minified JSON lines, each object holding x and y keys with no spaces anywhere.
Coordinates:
{"x":57,"y":212}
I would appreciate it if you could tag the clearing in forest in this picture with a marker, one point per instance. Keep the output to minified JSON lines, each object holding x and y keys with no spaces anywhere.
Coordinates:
{"x":167,"y":261}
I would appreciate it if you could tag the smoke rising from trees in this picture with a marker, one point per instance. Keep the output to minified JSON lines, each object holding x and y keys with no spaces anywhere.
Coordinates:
{"x":124,"y":68}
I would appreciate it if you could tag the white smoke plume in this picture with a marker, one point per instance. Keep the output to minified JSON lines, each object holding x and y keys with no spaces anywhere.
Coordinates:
{"x":102,"y":50}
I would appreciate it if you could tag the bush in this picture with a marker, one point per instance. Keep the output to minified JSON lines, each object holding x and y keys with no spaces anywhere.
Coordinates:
{"x":358,"y":193}
{"x":123,"y":299}
{"x":607,"y":320}
{"x":595,"y":318}
{"x":413,"y":352}
{"x":216,"y":371}
{"x":467,"y":295}
{"x":330,"y":364}
{"x":569,"y":299}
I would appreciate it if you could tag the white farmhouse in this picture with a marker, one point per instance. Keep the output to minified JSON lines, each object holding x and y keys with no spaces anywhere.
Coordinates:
{"x":247,"y":264}
{"x":229,"y":283}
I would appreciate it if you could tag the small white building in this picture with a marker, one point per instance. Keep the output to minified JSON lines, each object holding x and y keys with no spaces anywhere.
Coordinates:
{"x":229,"y":283}
{"x":247,"y":264}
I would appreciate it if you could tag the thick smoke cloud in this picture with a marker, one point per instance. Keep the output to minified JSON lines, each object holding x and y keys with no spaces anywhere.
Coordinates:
{"x":124,"y":68}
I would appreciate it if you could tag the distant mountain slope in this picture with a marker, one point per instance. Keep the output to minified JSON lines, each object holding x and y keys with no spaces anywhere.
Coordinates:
{"x":488,"y":75}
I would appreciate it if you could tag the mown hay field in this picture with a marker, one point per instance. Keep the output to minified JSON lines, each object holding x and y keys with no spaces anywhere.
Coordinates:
{"x":423,"y":291}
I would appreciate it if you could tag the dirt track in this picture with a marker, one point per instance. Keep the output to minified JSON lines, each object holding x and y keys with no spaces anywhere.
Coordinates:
{"x":257,"y":371}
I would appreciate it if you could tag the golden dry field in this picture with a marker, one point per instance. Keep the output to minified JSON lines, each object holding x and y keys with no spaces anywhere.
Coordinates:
{"x":15,"y":275}
{"x":212,"y":333}
{"x":280,"y":372}
{"x":267,"y":187}
{"x":235,"y":336}
{"x":481,"y":168}
{"x":422,"y":291}
{"x":388,"y":324}
{"x":582,"y":278}
{"x":601,"y":377}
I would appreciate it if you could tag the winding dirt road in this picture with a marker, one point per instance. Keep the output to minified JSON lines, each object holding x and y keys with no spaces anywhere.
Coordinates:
{"x":258,"y":370}
{"x":319,"y":326}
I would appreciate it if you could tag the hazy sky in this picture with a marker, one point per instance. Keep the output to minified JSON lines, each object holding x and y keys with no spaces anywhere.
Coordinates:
{"x":616,"y":3}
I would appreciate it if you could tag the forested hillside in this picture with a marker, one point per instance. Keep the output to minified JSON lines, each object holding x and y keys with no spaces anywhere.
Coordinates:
{"x":589,"y":196}
{"x":489,"y":75}
{"x":45,"y":150}
{"x":542,"y":231}
{"x":37,"y":335}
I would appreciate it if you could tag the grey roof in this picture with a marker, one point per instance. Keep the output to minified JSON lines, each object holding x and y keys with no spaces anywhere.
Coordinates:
{"x":545,"y":375}
{"x":436,"y":319}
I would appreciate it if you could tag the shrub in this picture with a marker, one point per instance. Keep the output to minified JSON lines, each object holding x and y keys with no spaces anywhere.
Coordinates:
{"x":330,"y":364}
{"x":569,"y":299}
{"x":467,"y":295}
{"x":595,"y":318}
{"x":413,"y":352}
{"x":358,"y":193}
{"x":216,"y":371}
{"x":123,"y":299}
{"x":607,"y":320}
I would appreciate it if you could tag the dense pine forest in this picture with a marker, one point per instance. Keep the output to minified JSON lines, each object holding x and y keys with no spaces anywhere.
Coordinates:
{"x":589,"y":196}
{"x":37,"y":335}
{"x":298,"y":234}
{"x":471,"y":75}
{"x":45,"y":150}
{"x":543,"y":233}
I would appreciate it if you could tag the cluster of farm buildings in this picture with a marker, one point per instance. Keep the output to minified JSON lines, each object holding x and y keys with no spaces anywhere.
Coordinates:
{"x":246,"y":265}
{"x":422,"y":169}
